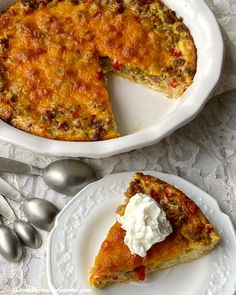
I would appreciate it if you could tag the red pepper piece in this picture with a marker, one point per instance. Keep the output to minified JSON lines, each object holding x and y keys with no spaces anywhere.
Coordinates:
{"x":176,"y":53}
{"x":97,"y":14}
{"x":116,"y":66}
{"x":173,"y":83}
{"x":134,"y":78}
{"x":140,"y":271}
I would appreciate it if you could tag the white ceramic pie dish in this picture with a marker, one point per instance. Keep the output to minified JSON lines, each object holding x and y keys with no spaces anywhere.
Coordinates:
{"x":144,"y":116}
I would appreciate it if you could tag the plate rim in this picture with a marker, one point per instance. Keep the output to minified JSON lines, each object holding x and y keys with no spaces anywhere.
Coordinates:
{"x":155,"y":173}
{"x":139,"y":139}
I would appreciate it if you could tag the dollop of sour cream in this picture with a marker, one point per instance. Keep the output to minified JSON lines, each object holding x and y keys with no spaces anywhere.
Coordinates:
{"x":145,"y":224}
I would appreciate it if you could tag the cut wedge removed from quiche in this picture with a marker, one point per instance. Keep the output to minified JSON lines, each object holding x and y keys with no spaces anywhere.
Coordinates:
{"x":193,"y":236}
{"x":54,"y":55}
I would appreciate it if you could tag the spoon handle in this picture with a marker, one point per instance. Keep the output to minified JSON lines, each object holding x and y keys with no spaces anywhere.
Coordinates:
{"x":13,"y":166}
{"x":10,"y":192}
{"x":6,"y":210}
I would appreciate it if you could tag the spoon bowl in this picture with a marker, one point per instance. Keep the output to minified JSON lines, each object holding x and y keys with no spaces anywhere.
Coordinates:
{"x":40,"y":212}
{"x":10,"y":245}
{"x":27,"y":234}
{"x":68,"y":176}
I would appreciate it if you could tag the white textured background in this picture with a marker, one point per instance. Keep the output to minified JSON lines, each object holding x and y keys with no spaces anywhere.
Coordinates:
{"x":203,"y":152}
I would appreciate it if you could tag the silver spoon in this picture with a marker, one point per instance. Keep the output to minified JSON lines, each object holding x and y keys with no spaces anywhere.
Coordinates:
{"x":66,"y":176}
{"x":25,"y":231}
{"x":10,"y":245}
{"x":39,"y":212}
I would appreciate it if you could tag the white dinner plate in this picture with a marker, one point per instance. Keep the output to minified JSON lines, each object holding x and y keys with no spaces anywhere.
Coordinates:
{"x":83,"y":224}
{"x":144,"y":116}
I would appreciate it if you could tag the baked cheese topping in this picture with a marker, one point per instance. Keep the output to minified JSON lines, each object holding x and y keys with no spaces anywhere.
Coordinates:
{"x":145,"y":224}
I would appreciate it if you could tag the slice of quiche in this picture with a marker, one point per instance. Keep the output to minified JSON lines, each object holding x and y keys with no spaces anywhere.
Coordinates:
{"x":193,"y":236}
{"x":54,"y":54}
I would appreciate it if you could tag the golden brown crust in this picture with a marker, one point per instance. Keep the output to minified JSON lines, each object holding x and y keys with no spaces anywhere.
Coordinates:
{"x":5,"y":111}
{"x":193,"y":235}
{"x":51,"y":75}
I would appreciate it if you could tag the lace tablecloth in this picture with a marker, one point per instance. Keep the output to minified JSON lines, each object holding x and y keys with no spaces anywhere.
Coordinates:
{"x":203,"y":152}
